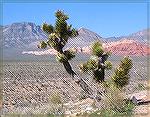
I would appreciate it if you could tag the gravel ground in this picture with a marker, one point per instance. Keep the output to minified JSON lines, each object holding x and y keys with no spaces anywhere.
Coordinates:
{"x":28,"y":86}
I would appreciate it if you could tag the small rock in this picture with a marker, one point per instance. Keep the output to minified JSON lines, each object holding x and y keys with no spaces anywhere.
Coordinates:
{"x":134,"y":100}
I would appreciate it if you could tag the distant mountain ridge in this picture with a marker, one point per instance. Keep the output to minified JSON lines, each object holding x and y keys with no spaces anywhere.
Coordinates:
{"x":25,"y":36}
{"x":85,"y":38}
{"x":140,"y":36}
{"x":19,"y":35}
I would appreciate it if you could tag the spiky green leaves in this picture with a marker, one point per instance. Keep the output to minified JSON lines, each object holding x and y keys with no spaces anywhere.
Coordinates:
{"x":61,"y":58}
{"x":108,"y":65}
{"x":42,"y":45}
{"x":91,"y":64}
{"x":97,"y":49}
{"x":83,"y":67}
{"x":59,"y":34}
{"x":55,"y":42}
{"x":47,"y":28}
{"x":74,"y":33}
{"x":121,"y":75}
{"x":126,"y":64}
{"x":61,"y":27}
{"x":60,"y":15}
{"x":120,"y":78}
{"x":70,"y":53}
{"x":97,"y":63}
{"x":66,"y":56}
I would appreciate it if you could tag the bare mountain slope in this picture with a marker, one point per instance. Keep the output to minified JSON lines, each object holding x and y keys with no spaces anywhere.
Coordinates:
{"x":19,"y":35}
{"x":25,"y":36}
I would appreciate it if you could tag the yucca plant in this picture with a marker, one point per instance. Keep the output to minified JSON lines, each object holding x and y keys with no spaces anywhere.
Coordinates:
{"x":97,"y":63}
{"x":121,"y":75}
{"x":58,"y":36}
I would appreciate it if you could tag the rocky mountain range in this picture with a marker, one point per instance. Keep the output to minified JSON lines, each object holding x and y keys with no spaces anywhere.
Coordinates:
{"x":128,"y":47}
{"x":140,"y":36}
{"x":21,"y":35}
{"x":23,"y":38}
{"x":85,"y":38}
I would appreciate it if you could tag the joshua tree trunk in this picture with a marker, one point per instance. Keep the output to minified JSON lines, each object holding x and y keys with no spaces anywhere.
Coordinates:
{"x":78,"y":80}
{"x":102,"y":75}
{"x":99,"y":74}
{"x":66,"y":64}
{"x":68,"y":68}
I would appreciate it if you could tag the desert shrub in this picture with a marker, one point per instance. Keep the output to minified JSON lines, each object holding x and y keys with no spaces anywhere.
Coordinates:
{"x":113,"y":99}
{"x":56,"y":103}
{"x":111,"y":113}
{"x":55,"y":98}
{"x":114,"y":104}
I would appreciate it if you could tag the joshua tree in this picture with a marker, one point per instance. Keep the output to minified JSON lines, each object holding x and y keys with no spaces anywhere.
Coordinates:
{"x":121,"y":75}
{"x":58,"y":36}
{"x":97,"y":63}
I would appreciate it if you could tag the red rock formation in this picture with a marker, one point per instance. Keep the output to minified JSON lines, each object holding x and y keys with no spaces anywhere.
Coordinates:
{"x":127,"y":47}
{"x":124,"y":47}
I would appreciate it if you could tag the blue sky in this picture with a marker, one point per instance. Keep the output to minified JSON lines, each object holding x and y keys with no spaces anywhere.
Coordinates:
{"x":106,"y":19}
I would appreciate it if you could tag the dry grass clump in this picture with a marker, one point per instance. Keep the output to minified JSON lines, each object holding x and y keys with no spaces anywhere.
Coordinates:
{"x":114,"y":99}
{"x":56,"y":103}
